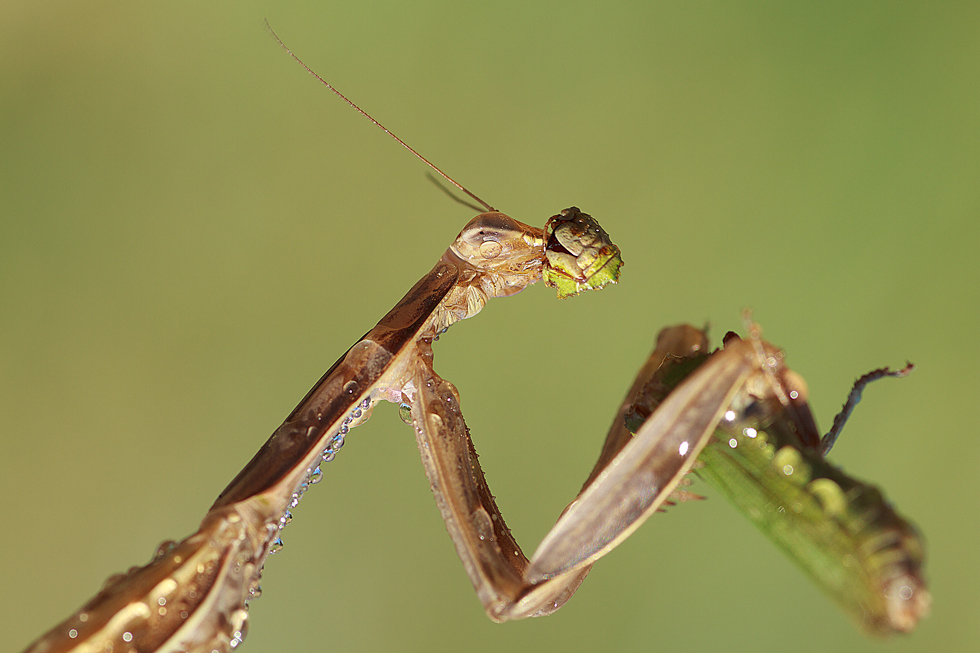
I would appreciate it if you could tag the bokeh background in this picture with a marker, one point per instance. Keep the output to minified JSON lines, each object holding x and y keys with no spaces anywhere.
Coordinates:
{"x":192,"y":230}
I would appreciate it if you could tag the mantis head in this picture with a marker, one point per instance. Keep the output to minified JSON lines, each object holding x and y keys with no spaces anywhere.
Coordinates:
{"x":580,"y":255}
{"x":572,"y":254}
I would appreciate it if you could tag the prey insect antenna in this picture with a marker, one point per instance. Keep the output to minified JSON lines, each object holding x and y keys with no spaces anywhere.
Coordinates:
{"x":368,"y":116}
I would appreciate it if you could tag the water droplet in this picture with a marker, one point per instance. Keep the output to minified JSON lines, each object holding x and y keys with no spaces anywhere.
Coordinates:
{"x":490,"y":249}
{"x":255,"y":592}
{"x":285,"y":519}
{"x":405,"y":413}
{"x":366,"y":403}
{"x":484,"y":526}
{"x":344,"y":430}
{"x":357,"y":413}
{"x":328,"y":455}
{"x":276,"y":546}
{"x":316,"y":475}
{"x":337,"y":442}
{"x":350,"y":387}
{"x":295,"y":500}
{"x":239,"y":627}
{"x":165,"y":547}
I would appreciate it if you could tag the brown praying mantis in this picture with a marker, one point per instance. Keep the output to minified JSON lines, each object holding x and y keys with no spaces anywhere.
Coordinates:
{"x":194,"y":594}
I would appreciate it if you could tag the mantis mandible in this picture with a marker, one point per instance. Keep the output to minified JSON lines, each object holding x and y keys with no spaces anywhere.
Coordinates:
{"x":194,"y":594}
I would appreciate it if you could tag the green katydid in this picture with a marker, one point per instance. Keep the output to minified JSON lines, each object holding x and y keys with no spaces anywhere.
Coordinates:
{"x":769,"y":460}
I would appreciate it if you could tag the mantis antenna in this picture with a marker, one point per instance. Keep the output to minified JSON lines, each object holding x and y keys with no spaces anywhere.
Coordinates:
{"x":368,"y":116}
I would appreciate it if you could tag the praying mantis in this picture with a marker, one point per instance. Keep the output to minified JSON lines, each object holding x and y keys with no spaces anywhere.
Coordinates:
{"x":194,"y":593}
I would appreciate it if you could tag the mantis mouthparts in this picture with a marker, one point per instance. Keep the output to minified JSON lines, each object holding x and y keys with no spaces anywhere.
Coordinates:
{"x":580,"y":255}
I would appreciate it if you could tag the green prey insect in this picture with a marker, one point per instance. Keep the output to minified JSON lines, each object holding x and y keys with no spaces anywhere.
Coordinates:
{"x":767,"y":457}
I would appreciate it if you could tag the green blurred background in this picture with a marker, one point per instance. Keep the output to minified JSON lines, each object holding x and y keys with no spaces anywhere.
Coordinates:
{"x":192,"y":230}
